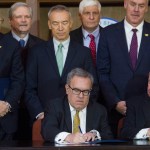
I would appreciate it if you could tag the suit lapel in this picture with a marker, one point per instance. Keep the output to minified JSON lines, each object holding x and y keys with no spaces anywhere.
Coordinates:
{"x":68,"y":121}
{"x":123,"y":42}
{"x":51,"y":53}
{"x":144,"y":44}
{"x":70,"y":55}
{"x":89,"y":117}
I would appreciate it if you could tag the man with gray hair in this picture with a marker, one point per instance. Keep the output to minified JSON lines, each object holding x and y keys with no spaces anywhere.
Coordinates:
{"x":75,"y":118}
{"x":50,"y":62}
{"x":20,"y":18}
{"x":89,"y":33}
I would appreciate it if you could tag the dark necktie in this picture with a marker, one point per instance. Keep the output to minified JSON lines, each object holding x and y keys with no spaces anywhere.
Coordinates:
{"x":22,"y":43}
{"x":92,"y":46}
{"x":76,"y":122}
{"x":133,"y":49}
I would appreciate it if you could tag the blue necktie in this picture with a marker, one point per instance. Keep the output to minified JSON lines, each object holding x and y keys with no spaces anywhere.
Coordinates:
{"x":22,"y":43}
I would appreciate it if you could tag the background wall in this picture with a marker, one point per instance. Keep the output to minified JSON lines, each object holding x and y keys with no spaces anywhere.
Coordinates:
{"x":113,"y":11}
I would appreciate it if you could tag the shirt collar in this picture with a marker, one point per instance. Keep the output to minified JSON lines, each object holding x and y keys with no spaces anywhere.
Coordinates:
{"x":18,"y":38}
{"x":129,"y":27}
{"x":64,"y":43}
{"x":95,"y":32}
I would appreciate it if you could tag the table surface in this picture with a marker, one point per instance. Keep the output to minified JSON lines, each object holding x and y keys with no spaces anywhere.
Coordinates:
{"x":38,"y":145}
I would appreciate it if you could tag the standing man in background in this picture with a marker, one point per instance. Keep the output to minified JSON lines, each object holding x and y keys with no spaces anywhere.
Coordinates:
{"x":11,"y":86}
{"x":89,"y":33}
{"x":49,"y":63}
{"x":20,"y":17}
{"x":124,"y":52}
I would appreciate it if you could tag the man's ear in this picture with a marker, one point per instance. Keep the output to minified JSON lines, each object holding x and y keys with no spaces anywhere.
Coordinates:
{"x":49,"y":25}
{"x":67,"y":88}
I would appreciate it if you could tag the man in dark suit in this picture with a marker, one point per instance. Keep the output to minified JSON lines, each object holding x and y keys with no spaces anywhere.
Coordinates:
{"x":1,"y":35}
{"x":48,"y":64}
{"x":11,"y":86}
{"x":20,"y":16}
{"x":137,"y":121}
{"x":89,"y":13}
{"x":115,"y":64}
{"x":60,"y":122}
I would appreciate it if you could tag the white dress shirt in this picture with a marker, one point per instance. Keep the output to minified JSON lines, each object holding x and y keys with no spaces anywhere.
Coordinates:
{"x":64,"y":48}
{"x":87,"y":39}
{"x":142,"y":134}
{"x":15,"y":36}
{"x":129,"y":34}
{"x":60,"y":137}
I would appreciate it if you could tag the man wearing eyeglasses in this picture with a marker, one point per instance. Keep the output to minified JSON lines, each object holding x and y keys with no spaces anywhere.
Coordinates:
{"x":60,"y":120}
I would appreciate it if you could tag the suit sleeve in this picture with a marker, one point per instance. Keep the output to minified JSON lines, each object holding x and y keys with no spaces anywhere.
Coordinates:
{"x":104,"y":71}
{"x":92,"y":69}
{"x":17,"y":81}
{"x":130,"y":128}
{"x":31,"y":96}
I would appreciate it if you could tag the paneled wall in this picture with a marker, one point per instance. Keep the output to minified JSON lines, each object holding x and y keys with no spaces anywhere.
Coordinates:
{"x":110,"y":8}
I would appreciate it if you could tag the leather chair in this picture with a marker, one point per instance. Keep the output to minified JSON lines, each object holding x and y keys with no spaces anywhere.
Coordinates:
{"x":36,"y":131}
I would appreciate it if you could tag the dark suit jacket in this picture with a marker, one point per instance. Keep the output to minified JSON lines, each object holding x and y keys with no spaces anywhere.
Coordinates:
{"x":11,"y":67}
{"x":58,"y":119}
{"x":138,"y":116}
{"x":43,"y":80}
{"x":1,"y":35}
{"x":33,"y":40}
{"x":77,"y":35}
{"x":113,"y":63}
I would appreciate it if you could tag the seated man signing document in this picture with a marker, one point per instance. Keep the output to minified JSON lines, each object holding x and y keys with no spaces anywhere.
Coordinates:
{"x":76,"y":118}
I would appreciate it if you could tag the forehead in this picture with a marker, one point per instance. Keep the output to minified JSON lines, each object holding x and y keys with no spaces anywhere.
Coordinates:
{"x":139,"y":1}
{"x":80,"y":82}
{"x":90,"y":8}
{"x":21,"y":10}
{"x":59,"y":15}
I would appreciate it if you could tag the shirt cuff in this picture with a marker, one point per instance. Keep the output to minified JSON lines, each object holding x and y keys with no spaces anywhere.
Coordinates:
{"x":142,"y":134}
{"x":60,"y":137}
{"x":98,"y":137}
{"x":39,"y":115}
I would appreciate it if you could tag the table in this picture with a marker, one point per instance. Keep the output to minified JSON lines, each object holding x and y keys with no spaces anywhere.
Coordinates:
{"x":37,"y":145}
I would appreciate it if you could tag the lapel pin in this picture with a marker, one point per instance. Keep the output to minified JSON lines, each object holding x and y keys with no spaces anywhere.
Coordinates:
{"x":146,"y":34}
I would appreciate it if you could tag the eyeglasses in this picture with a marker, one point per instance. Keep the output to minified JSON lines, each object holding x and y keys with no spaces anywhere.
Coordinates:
{"x":78,"y":91}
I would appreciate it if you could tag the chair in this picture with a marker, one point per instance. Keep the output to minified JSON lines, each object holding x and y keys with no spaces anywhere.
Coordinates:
{"x":36,"y":131}
{"x":120,"y":125}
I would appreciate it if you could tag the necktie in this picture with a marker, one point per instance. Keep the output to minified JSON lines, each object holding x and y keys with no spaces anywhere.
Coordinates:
{"x":92,"y":46}
{"x":133,"y":49}
{"x":76,"y":122}
{"x":21,"y":42}
{"x":59,"y":58}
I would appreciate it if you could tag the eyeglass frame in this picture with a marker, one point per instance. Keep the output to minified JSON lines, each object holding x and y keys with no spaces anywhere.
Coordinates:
{"x":78,"y":90}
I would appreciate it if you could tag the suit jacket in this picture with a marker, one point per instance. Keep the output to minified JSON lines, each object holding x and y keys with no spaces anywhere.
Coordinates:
{"x":113,"y":62}
{"x":58,"y":119}
{"x":44,"y":82}
{"x":33,"y":40}
{"x":1,"y":35}
{"x":77,"y":35}
{"x":11,"y":68}
{"x":138,"y":116}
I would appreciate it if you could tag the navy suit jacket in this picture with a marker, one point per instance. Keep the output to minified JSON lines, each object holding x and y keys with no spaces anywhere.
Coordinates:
{"x":43,"y":80}
{"x":58,"y":119}
{"x":113,"y":62}
{"x":138,"y":116}
{"x":11,"y":68}
{"x":1,"y":35}
{"x":77,"y":35}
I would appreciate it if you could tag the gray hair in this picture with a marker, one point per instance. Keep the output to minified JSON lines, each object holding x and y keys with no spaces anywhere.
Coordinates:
{"x":59,"y":8}
{"x":80,"y":73}
{"x":19,"y":4}
{"x":85,"y":3}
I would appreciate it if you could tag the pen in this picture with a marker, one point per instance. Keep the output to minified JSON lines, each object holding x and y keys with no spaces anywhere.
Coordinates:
{"x":80,"y":129}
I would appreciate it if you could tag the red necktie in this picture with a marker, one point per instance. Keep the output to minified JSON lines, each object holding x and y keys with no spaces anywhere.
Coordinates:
{"x":92,"y":46}
{"x":133,"y":49}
